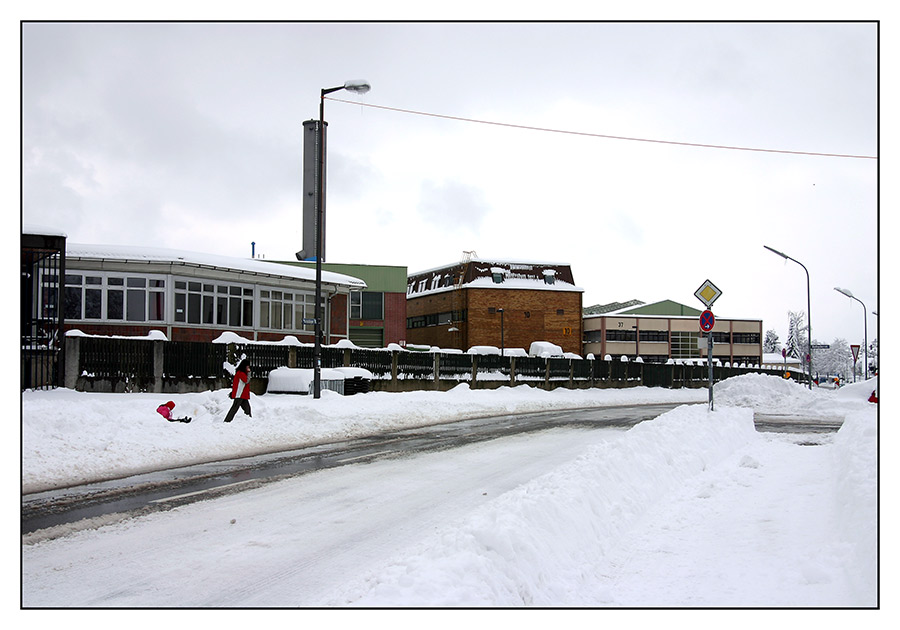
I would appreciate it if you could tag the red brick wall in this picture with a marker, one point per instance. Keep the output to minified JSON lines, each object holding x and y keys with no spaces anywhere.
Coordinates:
{"x":528,"y":316}
{"x":339,"y":306}
{"x":394,"y":317}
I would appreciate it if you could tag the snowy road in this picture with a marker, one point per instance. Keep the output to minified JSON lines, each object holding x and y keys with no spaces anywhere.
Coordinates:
{"x":292,"y":543}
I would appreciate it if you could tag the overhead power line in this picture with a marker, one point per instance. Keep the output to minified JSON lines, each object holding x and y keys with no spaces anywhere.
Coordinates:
{"x":601,"y":135}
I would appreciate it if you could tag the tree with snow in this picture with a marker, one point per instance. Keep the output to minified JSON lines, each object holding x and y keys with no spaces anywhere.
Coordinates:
{"x":771,"y":344}
{"x":833,"y":361}
{"x":796,"y":342}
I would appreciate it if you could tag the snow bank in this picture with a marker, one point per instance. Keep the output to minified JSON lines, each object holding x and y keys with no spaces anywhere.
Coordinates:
{"x":769,"y":394}
{"x":855,"y":475}
{"x":539,"y":545}
{"x":71,"y":437}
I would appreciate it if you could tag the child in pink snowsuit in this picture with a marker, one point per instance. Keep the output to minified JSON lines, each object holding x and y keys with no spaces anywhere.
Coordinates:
{"x":166,"y":412}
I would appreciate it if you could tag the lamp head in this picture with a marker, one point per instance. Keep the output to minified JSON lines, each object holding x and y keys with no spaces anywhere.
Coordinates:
{"x":360,"y":86}
{"x":775,"y":251}
{"x":844,"y":291}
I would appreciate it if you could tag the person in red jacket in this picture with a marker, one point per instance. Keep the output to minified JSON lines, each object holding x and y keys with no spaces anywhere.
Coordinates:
{"x":240,"y":390}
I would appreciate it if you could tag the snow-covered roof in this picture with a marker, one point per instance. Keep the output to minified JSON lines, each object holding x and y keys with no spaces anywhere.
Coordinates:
{"x":31,"y":228}
{"x":480,"y":274}
{"x":493,"y":262}
{"x":126,"y":253}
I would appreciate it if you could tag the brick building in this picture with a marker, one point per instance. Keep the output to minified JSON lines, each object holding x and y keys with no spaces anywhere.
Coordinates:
{"x":501,"y":304}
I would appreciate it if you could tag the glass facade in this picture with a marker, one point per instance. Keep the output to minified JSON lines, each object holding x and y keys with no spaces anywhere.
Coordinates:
{"x":109,"y":297}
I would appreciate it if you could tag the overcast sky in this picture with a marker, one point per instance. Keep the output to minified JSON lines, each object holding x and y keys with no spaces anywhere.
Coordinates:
{"x":189,"y":135}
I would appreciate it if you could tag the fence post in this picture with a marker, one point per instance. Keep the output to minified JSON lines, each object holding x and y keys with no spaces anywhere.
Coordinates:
{"x":512,"y":371}
{"x":73,"y":358}
{"x":395,"y":358}
{"x":347,"y":357}
{"x":474,"y":370}
{"x":159,"y":357}
{"x":292,"y":357}
{"x":547,"y":374}
{"x":437,"y":369}
{"x":571,"y":373}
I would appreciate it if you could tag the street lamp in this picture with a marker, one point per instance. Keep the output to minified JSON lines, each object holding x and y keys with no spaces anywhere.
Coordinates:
{"x":865,"y":325}
{"x":360,"y":87}
{"x":808,"y":313}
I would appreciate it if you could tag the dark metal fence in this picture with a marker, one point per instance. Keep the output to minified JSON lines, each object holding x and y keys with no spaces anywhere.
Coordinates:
{"x":378,"y":362}
{"x":41,"y":315}
{"x":530,"y":368}
{"x":455,"y":365}
{"x":494,"y":364}
{"x":190,"y":359}
{"x":130,"y":364}
{"x":415,"y":365}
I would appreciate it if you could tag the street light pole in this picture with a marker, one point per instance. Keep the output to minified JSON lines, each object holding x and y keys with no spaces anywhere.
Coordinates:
{"x":360,"y":87}
{"x":865,"y":325}
{"x":808,"y":309}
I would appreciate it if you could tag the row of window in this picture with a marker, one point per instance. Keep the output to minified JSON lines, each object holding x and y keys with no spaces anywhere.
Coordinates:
{"x":127,"y":298}
{"x":135,"y":299}
{"x":436,"y":319}
{"x":616,"y":334}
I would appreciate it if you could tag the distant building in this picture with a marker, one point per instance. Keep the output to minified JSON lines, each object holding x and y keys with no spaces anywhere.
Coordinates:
{"x":123,"y":290}
{"x":378,"y":313}
{"x":666,"y":330}
{"x":494,"y":303}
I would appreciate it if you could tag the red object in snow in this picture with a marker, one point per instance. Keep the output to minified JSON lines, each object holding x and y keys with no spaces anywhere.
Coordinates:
{"x":874,"y":397}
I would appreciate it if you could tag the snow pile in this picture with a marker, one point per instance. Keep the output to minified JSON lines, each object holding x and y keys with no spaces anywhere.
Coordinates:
{"x":769,"y":394}
{"x":540,"y":544}
{"x":71,"y":437}
{"x":855,"y":476}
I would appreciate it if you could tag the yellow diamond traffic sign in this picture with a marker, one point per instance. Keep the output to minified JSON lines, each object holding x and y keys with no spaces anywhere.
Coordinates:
{"x":708,"y":293}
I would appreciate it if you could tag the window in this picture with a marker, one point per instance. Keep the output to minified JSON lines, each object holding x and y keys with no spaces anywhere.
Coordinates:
{"x":745,"y":337}
{"x":115,"y":298}
{"x":366,"y":305}
{"x":280,"y":310}
{"x":721,"y":337}
{"x":684,"y":345}
{"x":208,"y":304}
{"x":615,"y":334}
{"x":654,"y":335}
{"x":129,"y":298}
{"x":436,"y":319}
{"x":593,"y":336}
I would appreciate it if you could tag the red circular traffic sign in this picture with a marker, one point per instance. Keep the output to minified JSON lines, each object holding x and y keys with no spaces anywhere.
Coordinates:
{"x":707,"y":320}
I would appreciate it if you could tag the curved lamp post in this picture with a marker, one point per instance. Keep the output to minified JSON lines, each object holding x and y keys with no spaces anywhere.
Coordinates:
{"x":808,"y":314}
{"x":865,"y":325}
{"x":360,"y":87}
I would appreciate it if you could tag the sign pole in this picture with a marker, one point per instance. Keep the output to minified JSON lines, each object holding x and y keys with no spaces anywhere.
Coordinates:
{"x":708,"y":293}
{"x":709,"y":359}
